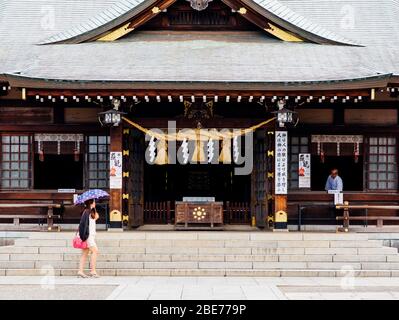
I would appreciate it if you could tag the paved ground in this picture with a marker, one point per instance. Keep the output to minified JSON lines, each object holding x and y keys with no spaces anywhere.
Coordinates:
{"x":197,"y":288}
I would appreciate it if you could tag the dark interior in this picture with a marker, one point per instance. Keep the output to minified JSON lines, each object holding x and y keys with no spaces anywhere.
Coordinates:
{"x":350,"y":171}
{"x":58,"y":172}
{"x":173,"y":182}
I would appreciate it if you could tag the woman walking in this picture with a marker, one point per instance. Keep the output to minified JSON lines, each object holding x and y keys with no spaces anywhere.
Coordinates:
{"x":87,"y":232}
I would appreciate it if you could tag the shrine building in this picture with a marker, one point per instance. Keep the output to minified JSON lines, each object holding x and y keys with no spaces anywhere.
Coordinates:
{"x":238,"y":109}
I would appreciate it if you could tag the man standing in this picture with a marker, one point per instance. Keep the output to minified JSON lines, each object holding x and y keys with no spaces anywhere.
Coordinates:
{"x":334,"y":181}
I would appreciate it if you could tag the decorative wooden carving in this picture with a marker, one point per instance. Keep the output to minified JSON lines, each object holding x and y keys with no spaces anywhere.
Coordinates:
{"x":198,"y":110}
{"x":67,"y":137}
{"x":199,"y":5}
{"x":199,"y":213}
{"x":337,"y":138}
{"x":181,"y":16}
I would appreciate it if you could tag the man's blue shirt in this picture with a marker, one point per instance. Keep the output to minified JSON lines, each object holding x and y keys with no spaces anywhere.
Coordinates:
{"x":334,"y":183}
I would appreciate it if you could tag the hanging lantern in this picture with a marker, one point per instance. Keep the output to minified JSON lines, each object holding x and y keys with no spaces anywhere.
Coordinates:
{"x":285,"y":116}
{"x":112,"y":117}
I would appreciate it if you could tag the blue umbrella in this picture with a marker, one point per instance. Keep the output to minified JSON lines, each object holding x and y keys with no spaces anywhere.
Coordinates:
{"x":91,"y":194}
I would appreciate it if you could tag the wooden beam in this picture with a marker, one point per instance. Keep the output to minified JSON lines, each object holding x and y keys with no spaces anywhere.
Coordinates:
{"x":282,"y":34}
{"x":117,"y":33}
{"x":140,"y":94}
{"x":136,"y":21}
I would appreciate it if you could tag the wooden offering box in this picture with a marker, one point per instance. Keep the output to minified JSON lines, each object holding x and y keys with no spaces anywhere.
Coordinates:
{"x":199,"y":213}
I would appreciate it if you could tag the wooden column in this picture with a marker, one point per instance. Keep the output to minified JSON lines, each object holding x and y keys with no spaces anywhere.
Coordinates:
{"x":280,"y":198}
{"x":115,"y":202}
{"x":280,"y":203}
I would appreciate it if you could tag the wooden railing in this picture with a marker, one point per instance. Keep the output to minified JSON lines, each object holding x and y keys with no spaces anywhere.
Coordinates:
{"x":162,"y":212}
{"x":346,"y":218}
{"x":157,"y":212}
{"x":237,"y":213}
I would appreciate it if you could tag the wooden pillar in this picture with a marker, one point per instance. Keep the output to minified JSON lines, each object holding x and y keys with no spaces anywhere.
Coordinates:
{"x":280,"y":178}
{"x":115,"y":202}
{"x":280,"y":203}
{"x":135,"y":186}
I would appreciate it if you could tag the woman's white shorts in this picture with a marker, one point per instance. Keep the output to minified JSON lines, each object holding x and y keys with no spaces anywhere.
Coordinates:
{"x":91,"y":242}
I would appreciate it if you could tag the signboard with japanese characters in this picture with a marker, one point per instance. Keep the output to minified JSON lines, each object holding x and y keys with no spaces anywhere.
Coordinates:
{"x":304,"y":170}
{"x":281,"y":162}
{"x":115,"y":175}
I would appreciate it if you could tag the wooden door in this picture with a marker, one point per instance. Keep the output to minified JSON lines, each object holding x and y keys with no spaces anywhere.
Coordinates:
{"x":261,"y":181}
{"x":135,"y":167}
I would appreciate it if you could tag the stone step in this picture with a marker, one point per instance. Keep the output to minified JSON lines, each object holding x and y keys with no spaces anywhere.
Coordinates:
{"x":207,"y":243}
{"x":15,"y":249}
{"x":205,"y":235}
{"x":247,"y":265}
{"x":207,"y":254}
{"x":380,"y":266}
{"x":206,"y":250}
{"x":112,"y":257}
{"x":353,"y":251}
{"x":203,"y":272}
{"x":382,"y":250}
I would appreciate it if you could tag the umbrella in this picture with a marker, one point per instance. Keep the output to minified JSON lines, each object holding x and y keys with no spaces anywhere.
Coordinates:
{"x":91,"y":194}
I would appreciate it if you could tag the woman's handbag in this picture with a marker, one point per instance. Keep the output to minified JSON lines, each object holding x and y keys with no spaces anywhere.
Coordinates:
{"x":78,"y":243}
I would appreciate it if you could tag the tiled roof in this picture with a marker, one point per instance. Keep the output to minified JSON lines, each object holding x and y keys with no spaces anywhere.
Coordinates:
{"x":194,"y":57}
{"x":285,"y":13}
{"x":107,"y":18}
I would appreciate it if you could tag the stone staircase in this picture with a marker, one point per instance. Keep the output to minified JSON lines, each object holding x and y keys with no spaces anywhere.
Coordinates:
{"x":189,"y":253}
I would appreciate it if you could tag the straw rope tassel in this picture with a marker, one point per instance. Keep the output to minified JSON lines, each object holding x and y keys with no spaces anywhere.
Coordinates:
{"x":162,"y":156}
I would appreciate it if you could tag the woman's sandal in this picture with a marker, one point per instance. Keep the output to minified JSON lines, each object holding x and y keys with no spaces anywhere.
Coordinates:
{"x":94,"y":275}
{"x":82,"y":275}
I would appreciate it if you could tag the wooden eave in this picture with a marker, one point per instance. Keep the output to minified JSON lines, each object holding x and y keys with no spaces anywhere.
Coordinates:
{"x":394,"y":81}
{"x":33,"y":86}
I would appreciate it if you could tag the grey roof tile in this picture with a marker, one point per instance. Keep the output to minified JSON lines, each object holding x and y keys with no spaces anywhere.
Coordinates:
{"x":282,"y":10}
{"x":241,"y":56}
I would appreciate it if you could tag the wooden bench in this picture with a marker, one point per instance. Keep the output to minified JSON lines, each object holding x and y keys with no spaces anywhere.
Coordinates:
{"x":346,"y":218}
{"x":49,"y":217}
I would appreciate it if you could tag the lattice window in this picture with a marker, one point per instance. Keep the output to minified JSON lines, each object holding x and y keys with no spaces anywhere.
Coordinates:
{"x":15,"y":161}
{"x":381,"y":164}
{"x":98,"y":161}
{"x":297,"y":145}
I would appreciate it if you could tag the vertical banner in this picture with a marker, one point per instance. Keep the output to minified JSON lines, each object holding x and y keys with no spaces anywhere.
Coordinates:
{"x":304,"y":170}
{"x":115,"y":175}
{"x":281,"y":162}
